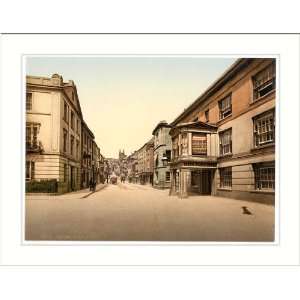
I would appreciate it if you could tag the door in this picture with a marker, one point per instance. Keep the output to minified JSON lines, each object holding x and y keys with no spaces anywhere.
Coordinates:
{"x":205,"y":182}
{"x":201,"y":182}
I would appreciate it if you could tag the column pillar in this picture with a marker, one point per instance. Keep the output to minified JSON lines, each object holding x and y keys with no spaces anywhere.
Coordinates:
{"x":184,"y":177}
{"x":172,"y":190}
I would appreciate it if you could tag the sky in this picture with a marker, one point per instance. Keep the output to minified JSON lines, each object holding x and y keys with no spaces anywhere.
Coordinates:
{"x":123,"y":98}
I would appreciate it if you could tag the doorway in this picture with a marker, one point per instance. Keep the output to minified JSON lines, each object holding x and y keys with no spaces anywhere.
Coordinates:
{"x":201,"y":182}
{"x":72,"y":178}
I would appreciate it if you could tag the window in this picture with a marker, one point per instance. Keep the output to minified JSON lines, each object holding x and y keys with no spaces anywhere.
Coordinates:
{"x":30,"y":170}
{"x":28,"y":101}
{"x":65,"y":173}
{"x":207,"y":115}
{"x":168,"y":155}
{"x":225,"y":107}
{"x":199,"y":144}
{"x":77,"y":150}
{"x":168,"y":176}
{"x":32,"y":130}
{"x":264,"y":81}
{"x":72,"y":120}
{"x":184,"y":144}
{"x":156,"y":161}
{"x":225,"y":142}
{"x":264,"y":129}
{"x":175,"y":147}
{"x":77,"y":126}
{"x":225,"y":177}
{"x":65,"y":140}
{"x":65,"y":112}
{"x":264,"y":176}
{"x":72,"y":145}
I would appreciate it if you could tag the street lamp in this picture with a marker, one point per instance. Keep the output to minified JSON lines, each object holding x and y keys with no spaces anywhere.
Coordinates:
{"x":165,"y":161}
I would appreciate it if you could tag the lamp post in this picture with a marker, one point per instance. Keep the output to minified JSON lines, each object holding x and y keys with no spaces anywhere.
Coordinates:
{"x":165,"y":161}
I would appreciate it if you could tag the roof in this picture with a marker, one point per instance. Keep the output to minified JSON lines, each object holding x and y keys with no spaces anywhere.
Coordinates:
{"x":88,"y":129}
{"x":161,"y":124}
{"x":194,"y":125}
{"x":215,"y":86}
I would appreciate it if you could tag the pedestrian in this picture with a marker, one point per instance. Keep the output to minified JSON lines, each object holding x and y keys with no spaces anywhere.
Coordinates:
{"x":91,"y":184}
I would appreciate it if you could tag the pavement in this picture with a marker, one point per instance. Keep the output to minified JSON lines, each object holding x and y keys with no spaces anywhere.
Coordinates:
{"x":132,"y":212}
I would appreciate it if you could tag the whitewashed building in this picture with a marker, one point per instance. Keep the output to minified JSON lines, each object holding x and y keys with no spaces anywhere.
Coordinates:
{"x":53,"y":132}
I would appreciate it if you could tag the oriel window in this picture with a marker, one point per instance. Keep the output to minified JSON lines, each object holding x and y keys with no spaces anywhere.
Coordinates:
{"x":199,"y":144}
{"x":184,"y":144}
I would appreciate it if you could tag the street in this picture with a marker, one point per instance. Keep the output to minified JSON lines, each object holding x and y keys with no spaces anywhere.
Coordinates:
{"x":131,"y":212}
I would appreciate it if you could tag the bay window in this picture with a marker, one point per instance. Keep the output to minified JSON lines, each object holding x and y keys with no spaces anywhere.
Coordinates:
{"x":199,"y":144}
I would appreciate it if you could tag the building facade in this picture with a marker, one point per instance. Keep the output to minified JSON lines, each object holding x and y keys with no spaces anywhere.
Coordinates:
{"x":88,"y":153}
{"x":132,"y":167}
{"x":224,"y":143}
{"x":162,"y":155}
{"x":53,"y":132}
{"x":145,"y":163}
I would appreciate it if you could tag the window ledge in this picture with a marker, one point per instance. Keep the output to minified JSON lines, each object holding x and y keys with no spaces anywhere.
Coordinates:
{"x":224,"y":189}
{"x":262,"y":97}
{"x":221,"y":120}
{"x":263,"y":191}
{"x":226,"y":155}
{"x":263,"y":146}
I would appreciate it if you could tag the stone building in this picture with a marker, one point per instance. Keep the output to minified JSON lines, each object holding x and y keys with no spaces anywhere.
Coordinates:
{"x":145,"y":163}
{"x":132,"y":167}
{"x":88,"y":153}
{"x":123,"y":163}
{"x":53,"y":132}
{"x":224,"y":143}
{"x":101,"y":167}
{"x":162,"y":155}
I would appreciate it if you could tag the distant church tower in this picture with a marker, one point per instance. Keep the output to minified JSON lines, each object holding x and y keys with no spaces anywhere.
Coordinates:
{"x":122,"y":154}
